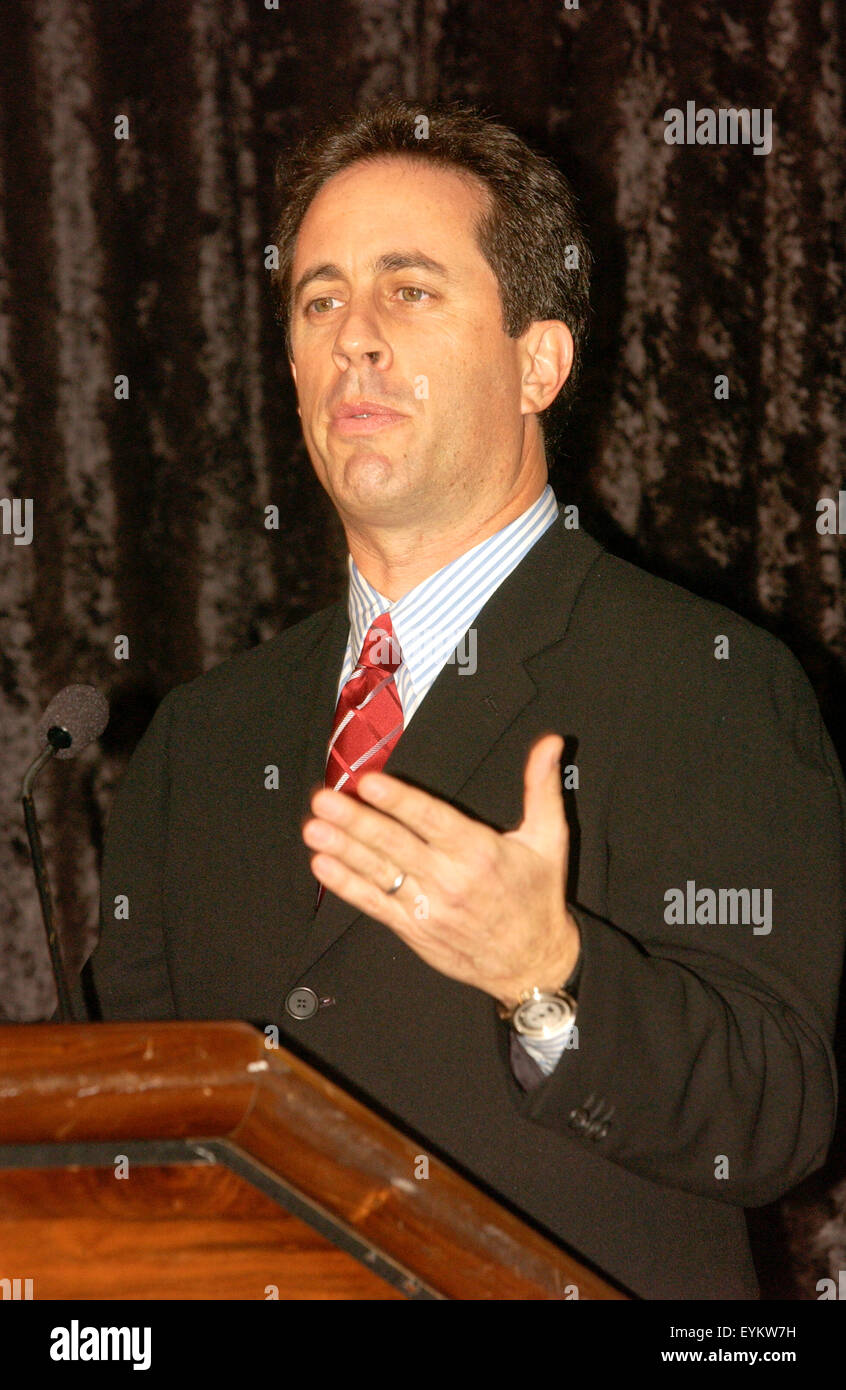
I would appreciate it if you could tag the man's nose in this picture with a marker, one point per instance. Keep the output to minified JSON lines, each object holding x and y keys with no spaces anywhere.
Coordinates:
{"x":360,"y":340}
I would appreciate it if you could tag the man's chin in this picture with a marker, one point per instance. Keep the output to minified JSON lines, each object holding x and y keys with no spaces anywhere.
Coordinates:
{"x":382,"y":497}
{"x":370,"y":470}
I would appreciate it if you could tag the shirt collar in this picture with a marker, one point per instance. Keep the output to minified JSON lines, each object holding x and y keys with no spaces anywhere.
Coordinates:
{"x":460,"y":589}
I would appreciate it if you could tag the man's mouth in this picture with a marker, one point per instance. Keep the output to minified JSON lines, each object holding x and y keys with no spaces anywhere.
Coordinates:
{"x":363,"y":417}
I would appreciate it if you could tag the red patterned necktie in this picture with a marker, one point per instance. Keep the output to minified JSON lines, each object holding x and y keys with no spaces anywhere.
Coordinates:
{"x":368,"y":718}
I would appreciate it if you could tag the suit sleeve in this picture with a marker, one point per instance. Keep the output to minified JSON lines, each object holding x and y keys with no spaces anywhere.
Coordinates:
{"x":704,"y":1057}
{"x":129,"y":964}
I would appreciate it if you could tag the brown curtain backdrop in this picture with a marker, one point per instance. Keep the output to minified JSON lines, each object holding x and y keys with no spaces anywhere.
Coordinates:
{"x":144,"y":258}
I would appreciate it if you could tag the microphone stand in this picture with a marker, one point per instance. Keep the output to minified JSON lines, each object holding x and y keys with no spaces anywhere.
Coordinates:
{"x":57,"y":738}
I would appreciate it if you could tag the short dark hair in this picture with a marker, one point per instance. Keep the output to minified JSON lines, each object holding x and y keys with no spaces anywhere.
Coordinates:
{"x":529,"y":234}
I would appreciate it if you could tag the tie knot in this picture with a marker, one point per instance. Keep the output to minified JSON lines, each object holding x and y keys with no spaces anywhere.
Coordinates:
{"x":381,"y":648}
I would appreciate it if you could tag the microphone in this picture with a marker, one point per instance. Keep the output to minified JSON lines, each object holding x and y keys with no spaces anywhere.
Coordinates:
{"x":72,"y":720}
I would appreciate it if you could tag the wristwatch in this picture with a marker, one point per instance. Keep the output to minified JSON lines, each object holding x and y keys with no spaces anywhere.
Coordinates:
{"x":539,"y":1016}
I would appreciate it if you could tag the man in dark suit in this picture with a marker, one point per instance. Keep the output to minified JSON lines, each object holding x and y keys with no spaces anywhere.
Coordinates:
{"x":583,"y":935}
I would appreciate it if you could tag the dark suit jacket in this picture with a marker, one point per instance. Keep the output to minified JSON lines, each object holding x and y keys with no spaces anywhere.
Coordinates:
{"x":712,"y":1044}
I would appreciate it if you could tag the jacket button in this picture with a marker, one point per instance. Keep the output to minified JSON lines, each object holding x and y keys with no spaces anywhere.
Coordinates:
{"x":302,"y":1002}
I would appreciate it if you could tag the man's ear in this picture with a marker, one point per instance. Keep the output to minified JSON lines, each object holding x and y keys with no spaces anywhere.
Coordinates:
{"x":294,"y":375}
{"x":548,"y":360}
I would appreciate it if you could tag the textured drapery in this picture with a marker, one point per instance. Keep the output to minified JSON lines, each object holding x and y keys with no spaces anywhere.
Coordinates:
{"x":145,"y":405}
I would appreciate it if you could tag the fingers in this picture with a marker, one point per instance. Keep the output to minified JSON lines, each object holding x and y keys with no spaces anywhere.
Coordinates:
{"x":360,"y":892}
{"x":544,"y":821}
{"x":369,"y":837}
{"x":373,"y":864}
{"x":433,"y":820}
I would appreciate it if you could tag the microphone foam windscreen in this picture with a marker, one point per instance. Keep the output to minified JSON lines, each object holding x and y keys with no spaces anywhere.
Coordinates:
{"x":80,"y":709}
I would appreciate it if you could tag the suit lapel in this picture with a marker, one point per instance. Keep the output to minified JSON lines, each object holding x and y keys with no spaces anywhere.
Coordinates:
{"x":458,"y":722}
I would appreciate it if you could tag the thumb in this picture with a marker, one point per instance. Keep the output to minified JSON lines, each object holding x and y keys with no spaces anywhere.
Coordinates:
{"x":543,"y":803}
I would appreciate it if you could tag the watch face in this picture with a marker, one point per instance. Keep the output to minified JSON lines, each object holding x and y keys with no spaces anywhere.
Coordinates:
{"x":543,"y":1018}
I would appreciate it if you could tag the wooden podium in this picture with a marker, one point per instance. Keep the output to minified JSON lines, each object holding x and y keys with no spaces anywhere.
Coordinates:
{"x":189,"y":1161}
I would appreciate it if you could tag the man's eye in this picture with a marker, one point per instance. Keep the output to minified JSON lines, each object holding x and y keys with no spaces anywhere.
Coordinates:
{"x":324,"y":302}
{"x":415,"y":290}
{"x":324,"y":299}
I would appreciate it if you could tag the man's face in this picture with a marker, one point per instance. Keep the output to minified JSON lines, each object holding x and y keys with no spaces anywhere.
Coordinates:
{"x":397,"y":316}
